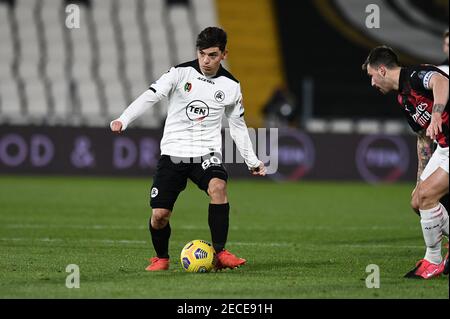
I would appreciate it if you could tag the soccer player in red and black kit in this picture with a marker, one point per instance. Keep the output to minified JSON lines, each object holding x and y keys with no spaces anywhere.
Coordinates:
{"x":423,"y":96}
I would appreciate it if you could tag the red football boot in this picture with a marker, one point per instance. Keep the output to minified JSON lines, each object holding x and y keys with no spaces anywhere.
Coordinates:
{"x":158,"y":264}
{"x":225,"y":259}
{"x":426,"y":270}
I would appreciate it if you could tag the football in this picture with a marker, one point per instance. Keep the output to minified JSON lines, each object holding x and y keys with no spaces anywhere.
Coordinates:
{"x":198,"y":256}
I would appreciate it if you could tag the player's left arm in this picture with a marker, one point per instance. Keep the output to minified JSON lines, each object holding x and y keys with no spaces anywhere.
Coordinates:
{"x":439,"y":84}
{"x":239,"y":133}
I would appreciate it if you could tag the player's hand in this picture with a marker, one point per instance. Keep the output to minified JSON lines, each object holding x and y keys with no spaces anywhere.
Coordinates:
{"x":261,"y":170}
{"x":435,"y":126}
{"x":116,"y":127}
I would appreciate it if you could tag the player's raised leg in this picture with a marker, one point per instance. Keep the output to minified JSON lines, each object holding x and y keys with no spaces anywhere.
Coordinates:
{"x":218,"y":220}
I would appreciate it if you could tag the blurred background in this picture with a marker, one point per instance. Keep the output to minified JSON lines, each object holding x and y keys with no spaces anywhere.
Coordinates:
{"x":346,"y":160}
{"x":299,"y":65}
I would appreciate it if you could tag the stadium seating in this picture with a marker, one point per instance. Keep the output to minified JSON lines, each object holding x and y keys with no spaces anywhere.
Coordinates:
{"x":10,"y":104}
{"x":52,"y":74}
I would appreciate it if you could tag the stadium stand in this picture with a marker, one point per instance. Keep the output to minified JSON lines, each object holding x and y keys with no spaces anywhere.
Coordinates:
{"x":51,"y":74}
{"x":10,"y":101}
{"x":54,"y":68}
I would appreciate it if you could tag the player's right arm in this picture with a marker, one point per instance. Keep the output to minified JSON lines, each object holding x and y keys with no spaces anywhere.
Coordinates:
{"x":134,"y":110}
{"x":157,"y":91}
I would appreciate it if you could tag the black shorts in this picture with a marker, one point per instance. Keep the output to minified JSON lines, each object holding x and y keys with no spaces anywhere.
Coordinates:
{"x":171,"y":176}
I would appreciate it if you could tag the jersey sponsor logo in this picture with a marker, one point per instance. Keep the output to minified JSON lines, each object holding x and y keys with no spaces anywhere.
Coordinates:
{"x":197,"y":110}
{"x":422,"y":116}
{"x":154,"y":192}
{"x":205,"y":80}
{"x":187,"y":87}
{"x":219,"y":96}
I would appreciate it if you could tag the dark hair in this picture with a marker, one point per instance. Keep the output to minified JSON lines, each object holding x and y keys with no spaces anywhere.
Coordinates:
{"x":212,"y":37}
{"x":381,"y":55}
{"x":445,"y":34}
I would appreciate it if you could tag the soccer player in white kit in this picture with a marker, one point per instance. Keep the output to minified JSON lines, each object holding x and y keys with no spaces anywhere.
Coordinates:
{"x":200,"y":92}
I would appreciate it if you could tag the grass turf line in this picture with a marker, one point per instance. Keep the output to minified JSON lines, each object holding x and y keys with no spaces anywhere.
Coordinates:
{"x":301,"y":240}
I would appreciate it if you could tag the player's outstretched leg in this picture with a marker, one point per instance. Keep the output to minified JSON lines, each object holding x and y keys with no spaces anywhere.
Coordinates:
{"x":431,"y":265}
{"x":434,"y":222}
{"x":160,"y":232}
{"x":218,"y":220}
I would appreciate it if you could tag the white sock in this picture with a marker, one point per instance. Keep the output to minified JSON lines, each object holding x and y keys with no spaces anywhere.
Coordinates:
{"x":431,"y":221}
{"x":444,"y":220}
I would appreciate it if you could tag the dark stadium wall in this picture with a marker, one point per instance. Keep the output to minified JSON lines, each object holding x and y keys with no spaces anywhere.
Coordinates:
{"x":313,"y":47}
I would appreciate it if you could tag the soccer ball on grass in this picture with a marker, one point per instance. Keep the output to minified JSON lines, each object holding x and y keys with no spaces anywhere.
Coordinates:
{"x":198,"y":256}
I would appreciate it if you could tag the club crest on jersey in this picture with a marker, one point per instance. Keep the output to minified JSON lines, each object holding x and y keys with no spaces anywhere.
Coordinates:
{"x":197,"y":110}
{"x":219,"y":96}
{"x":187,"y":87}
{"x":154,"y":192}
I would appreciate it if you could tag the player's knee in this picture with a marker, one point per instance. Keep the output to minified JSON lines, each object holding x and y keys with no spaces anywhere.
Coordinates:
{"x":415,"y":204}
{"x":427,"y":198}
{"x":217,"y":189}
{"x":160,"y":218}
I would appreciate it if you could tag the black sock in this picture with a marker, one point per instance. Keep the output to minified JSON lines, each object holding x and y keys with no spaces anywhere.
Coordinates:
{"x":160,"y":239}
{"x":218,"y":224}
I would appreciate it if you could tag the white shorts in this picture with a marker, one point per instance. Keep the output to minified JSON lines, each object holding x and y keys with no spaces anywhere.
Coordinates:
{"x":438,"y":159}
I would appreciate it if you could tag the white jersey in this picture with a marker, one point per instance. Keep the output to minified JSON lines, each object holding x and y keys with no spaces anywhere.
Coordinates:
{"x":196,"y":106}
{"x":443,"y":68}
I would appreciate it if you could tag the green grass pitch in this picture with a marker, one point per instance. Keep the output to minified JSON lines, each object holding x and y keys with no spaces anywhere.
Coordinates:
{"x":301,"y":240}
